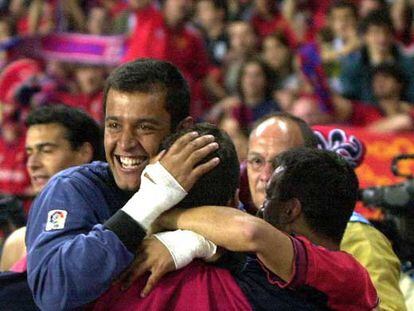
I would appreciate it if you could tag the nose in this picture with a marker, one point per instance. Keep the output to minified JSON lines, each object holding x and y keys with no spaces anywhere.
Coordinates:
{"x":128,"y":140}
{"x":266,"y":172}
{"x":33,"y":161}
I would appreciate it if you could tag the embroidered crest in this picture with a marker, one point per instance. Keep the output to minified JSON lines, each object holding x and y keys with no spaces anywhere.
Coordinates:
{"x":56,"y":219}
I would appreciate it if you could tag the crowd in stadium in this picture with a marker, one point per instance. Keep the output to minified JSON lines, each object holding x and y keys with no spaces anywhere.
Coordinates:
{"x":97,"y":80}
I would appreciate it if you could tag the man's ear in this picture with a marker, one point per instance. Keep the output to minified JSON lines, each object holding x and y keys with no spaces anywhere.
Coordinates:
{"x":85,"y":153}
{"x":186,"y":123}
{"x":293,"y":210}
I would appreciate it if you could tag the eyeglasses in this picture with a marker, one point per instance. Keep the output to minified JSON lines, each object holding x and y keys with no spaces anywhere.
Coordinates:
{"x":257,"y":163}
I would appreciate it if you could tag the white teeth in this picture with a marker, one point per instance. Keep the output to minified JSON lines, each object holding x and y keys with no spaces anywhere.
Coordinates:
{"x":128,"y":162}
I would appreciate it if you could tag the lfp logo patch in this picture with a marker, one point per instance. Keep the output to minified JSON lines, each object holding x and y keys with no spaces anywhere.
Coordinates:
{"x":56,"y":219}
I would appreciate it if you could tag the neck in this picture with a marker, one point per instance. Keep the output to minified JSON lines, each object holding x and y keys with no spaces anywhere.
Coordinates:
{"x":316,"y":238}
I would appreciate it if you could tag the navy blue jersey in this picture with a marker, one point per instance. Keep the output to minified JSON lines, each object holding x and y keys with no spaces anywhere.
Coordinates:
{"x":72,"y":256}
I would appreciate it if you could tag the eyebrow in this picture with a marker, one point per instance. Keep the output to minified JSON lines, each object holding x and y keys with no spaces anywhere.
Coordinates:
{"x":41,"y":145}
{"x":142,"y":120}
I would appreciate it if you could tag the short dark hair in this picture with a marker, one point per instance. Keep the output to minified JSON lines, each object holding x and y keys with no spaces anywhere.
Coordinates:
{"x":343,"y":4}
{"x":80,"y":128}
{"x":218,"y":186}
{"x":149,"y":75}
{"x":309,"y":138}
{"x":379,"y":18}
{"x":323,"y":182}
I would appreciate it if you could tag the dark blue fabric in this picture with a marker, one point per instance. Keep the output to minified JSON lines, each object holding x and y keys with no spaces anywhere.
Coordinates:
{"x":263,"y":295}
{"x":15,"y":294}
{"x":264,"y":108}
{"x":70,"y":267}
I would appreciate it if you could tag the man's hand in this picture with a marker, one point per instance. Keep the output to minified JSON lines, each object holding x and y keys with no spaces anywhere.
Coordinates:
{"x":153,"y":257}
{"x":183,"y":158}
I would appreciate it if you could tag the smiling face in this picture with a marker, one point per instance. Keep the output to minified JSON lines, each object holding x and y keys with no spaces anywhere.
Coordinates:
{"x":135,"y":125}
{"x":48,"y":152}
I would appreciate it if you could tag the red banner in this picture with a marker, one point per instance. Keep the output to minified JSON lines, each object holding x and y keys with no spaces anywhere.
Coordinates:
{"x":376,"y":168}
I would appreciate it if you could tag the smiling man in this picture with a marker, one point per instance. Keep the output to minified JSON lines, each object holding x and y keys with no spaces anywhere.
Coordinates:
{"x":86,"y":225}
{"x":57,"y":137}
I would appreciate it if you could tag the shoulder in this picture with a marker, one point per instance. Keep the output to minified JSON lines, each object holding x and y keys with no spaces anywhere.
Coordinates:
{"x":90,"y":172}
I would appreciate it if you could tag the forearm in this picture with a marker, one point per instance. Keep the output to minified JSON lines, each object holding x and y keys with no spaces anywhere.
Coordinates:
{"x":236,"y":231}
{"x":224,"y":226}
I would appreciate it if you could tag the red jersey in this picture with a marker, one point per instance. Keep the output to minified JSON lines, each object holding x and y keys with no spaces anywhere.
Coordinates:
{"x":182,"y":46}
{"x":14,"y":178}
{"x":197,"y":287}
{"x":336,"y":274}
{"x":364,"y":114}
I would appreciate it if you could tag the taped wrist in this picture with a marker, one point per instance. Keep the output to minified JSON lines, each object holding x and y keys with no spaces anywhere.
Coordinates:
{"x":127,"y":229}
{"x":185,"y":245}
{"x":159,"y":191}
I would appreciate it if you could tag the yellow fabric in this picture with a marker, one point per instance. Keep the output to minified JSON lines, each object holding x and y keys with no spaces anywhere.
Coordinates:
{"x":407,"y":288}
{"x":373,"y":250}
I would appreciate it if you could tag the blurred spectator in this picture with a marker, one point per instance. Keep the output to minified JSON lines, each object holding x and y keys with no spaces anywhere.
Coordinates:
{"x":379,"y":47}
{"x":7,"y":39}
{"x":33,"y":17}
{"x":365,"y":7}
{"x":343,"y":22}
{"x":254,"y":88}
{"x":279,"y":57}
{"x":98,"y":22}
{"x":267,"y":19}
{"x":166,"y":35}
{"x":255,"y":85}
{"x":88,"y":93}
{"x":392,"y":113}
{"x":12,"y":217}
{"x":211,"y":18}
{"x":243,"y":44}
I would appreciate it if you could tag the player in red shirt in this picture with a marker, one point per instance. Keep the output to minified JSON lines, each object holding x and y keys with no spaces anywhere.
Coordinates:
{"x":201,"y":286}
{"x":311,"y":195}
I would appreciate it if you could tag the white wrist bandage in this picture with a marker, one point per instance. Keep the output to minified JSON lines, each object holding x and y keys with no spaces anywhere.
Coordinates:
{"x":185,"y":245}
{"x":159,"y":191}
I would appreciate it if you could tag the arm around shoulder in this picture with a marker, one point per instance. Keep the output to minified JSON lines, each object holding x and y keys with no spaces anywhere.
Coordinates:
{"x":237,"y":231}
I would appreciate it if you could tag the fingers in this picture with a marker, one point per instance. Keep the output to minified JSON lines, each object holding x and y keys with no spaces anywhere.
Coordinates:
{"x":157,"y":157}
{"x":152,"y":281}
{"x":187,"y":144}
{"x":183,"y":141}
{"x":133,"y":276}
{"x":197,"y":155}
{"x":138,"y":268}
{"x":204,"y":168}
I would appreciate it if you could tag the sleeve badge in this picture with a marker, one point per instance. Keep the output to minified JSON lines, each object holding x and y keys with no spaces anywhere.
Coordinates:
{"x":56,"y":220}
